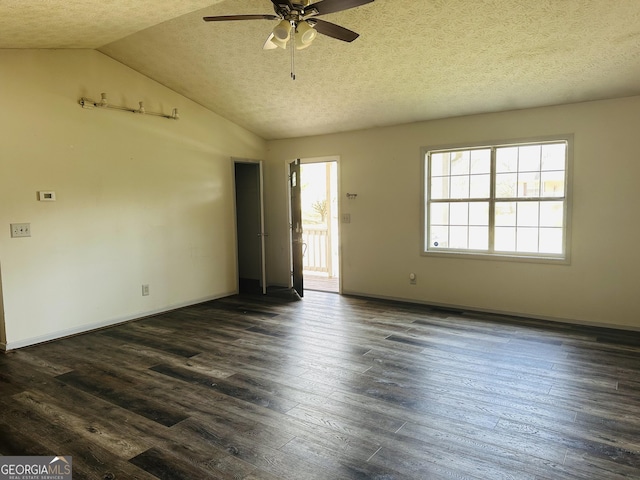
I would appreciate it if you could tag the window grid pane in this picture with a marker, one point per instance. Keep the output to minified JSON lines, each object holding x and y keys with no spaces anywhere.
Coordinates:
{"x":509,"y":199}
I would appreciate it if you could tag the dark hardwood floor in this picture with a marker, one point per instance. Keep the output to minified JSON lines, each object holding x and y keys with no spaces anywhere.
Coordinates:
{"x":330,"y":387}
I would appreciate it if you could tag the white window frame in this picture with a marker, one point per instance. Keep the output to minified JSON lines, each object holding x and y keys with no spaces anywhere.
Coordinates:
{"x":490,"y":253}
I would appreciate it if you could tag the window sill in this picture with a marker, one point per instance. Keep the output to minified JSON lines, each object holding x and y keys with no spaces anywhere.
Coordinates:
{"x":549,"y":260}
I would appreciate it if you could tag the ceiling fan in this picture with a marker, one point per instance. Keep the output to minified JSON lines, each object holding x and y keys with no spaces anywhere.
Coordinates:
{"x":299,"y":17}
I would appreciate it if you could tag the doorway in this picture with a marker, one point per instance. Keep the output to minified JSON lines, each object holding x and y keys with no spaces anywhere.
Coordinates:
{"x":320,"y":226}
{"x":250,"y":234}
{"x":3,"y":331}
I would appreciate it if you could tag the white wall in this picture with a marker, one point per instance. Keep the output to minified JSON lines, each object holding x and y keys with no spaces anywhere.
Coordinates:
{"x":140,"y":199}
{"x":381,"y":245}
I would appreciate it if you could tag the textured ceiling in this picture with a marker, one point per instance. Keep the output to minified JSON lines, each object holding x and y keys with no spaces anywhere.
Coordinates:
{"x":83,"y":23}
{"x":415,"y":59}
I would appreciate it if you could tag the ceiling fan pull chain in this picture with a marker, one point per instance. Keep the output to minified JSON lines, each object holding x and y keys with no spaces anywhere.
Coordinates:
{"x":293,"y":51}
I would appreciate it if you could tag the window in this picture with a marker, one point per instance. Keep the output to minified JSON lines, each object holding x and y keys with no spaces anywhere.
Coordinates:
{"x":502,"y":200}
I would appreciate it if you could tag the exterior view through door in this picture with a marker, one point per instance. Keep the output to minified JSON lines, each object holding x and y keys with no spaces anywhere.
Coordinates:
{"x":320,"y":241}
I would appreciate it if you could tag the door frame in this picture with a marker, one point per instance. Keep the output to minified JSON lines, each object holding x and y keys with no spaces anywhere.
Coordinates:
{"x":262,"y":234}
{"x":323,"y":159}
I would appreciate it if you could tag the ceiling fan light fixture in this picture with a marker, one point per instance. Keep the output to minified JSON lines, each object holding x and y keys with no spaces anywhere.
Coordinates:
{"x":291,"y":20}
{"x":305,"y":34}
{"x":269,"y":44}
{"x":274,"y":42}
{"x":282,"y":31}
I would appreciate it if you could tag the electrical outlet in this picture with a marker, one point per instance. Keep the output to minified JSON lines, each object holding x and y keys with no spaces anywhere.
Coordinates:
{"x":346,"y":218}
{"x":20,"y":230}
{"x":145,"y":290}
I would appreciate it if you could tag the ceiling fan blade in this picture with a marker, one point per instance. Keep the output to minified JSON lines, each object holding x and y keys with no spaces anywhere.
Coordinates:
{"x":331,"y":6}
{"x":333,"y":30}
{"x":224,"y":18}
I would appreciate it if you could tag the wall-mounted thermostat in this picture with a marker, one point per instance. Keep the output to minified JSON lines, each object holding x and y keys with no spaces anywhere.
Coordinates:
{"x":47,"y":196}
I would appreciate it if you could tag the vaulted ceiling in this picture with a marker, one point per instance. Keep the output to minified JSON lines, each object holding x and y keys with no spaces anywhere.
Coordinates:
{"x":415,"y":59}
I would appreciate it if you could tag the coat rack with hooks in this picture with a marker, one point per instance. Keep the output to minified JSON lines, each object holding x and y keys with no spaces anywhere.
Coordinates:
{"x":104,"y":103}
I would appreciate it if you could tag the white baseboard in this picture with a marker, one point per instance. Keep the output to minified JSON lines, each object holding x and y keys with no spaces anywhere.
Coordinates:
{"x":109,"y":323}
{"x":103,"y":324}
{"x":470,"y":309}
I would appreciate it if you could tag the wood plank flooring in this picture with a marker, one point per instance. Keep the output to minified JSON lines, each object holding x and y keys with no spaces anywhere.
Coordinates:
{"x":330,"y":387}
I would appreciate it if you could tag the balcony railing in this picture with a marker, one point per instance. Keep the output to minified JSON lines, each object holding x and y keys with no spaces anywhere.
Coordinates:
{"x":316,"y":249}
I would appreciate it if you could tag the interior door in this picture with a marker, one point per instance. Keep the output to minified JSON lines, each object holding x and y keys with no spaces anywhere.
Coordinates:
{"x":296,"y":227}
